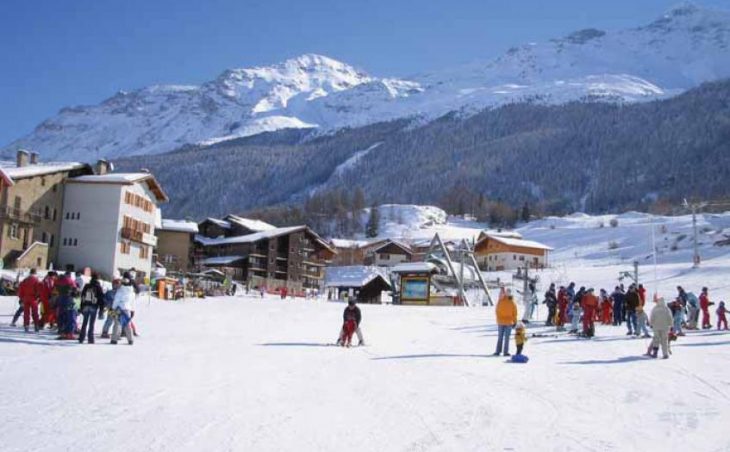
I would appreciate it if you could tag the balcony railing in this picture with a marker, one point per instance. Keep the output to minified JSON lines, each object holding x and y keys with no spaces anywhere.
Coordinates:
{"x":139,"y":236}
{"x":20,"y":215}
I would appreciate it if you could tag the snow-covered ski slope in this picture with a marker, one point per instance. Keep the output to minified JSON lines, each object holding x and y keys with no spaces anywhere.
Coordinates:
{"x":242,"y":374}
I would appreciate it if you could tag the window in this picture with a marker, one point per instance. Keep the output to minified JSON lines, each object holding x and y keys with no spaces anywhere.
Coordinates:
{"x":385,"y":256}
{"x":55,"y":188}
{"x":54,"y":212}
{"x":18,"y":202}
{"x":144,"y":252}
{"x":47,"y":213}
{"x":78,"y":215}
{"x":43,"y":181}
{"x":76,"y":242}
{"x":50,"y":243}
{"x":522,"y":258}
{"x":44,"y":237}
{"x":65,"y":241}
{"x":514,"y":257}
{"x":125,"y":247}
{"x":39,"y":262}
{"x":68,"y":215}
{"x":13,"y":231}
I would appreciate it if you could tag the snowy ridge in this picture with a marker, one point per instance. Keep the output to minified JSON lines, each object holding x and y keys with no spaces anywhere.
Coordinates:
{"x":681,"y":49}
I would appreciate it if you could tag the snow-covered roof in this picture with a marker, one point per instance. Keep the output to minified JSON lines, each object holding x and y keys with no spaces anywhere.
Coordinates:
{"x":345,"y":243}
{"x":179,"y":226}
{"x":400,"y":245}
{"x":505,"y":234}
{"x":222,"y":260}
{"x":520,"y":242}
{"x":222,"y":223}
{"x":415,"y":267}
{"x":352,"y":276}
{"x":248,"y":223}
{"x":251,"y":238}
{"x":12,"y":170}
{"x":124,"y":179}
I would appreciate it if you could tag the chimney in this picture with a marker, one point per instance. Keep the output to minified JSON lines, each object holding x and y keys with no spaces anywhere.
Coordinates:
{"x":33,"y":158}
{"x":102,"y":167}
{"x":21,"y":159}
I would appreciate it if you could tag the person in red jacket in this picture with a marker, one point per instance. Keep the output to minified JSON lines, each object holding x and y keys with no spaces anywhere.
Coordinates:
{"x":705,"y":304}
{"x":606,"y":305}
{"x":49,"y":312}
{"x":29,"y":293}
{"x":589,"y":303}
{"x":642,"y":294}
{"x":562,"y":316}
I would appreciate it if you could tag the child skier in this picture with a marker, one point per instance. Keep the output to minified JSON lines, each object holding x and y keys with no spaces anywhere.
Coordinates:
{"x":520,"y":337}
{"x":705,"y":304}
{"x":641,"y":320}
{"x":721,"y":315}
{"x":562,"y":315}
{"x":606,"y":305}
{"x":351,"y":324}
{"x":575,"y":318}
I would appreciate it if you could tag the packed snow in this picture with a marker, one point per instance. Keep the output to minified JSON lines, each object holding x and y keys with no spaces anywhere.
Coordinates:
{"x":248,"y":374}
{"x":681,"y":49}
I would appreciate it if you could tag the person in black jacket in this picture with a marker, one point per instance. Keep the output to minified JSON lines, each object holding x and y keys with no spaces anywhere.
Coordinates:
{"x":352,"y":312}
{"x":631,"y":302}
{"x":92,"y":298}
{"x":551,"y":300}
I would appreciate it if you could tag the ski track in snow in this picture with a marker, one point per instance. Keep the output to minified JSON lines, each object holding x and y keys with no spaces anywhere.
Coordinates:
{"x":240,"y":373}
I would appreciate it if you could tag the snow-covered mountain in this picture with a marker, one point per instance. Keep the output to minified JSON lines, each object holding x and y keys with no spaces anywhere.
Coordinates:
{"x":683,"y":48}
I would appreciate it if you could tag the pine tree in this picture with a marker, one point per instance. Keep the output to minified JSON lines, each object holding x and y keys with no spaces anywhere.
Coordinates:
{"x":371,"y":229}
{"x":525,"y":215}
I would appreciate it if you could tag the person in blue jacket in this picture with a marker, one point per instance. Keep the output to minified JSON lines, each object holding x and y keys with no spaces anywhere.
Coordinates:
{"x":108,"y":302}
{"x":618,"y":306}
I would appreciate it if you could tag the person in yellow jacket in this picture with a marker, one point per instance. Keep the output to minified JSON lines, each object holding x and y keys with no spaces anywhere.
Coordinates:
{"x":520,"y":337}
{"x":506,"y":318}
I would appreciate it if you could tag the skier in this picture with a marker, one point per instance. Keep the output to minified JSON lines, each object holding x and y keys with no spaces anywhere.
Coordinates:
{"x":124,"y":307}
{"x":631,"y":302}
{"x":721,"y":315}
{"x":605,"y":304}
{"x":66,"y":310}
{"x":678,"y":316}
{"x":590,"y":305}
{"x":575,"y":318}
{"x":351,"y":314}
{"x":661,"y":322}
{"x":705,"y":304}
{"x":520,"y":337}
{"x":551,"y":301}
{"x":92,"y":298}
{"x":529,"y":301}
{"x":693,"y":311}
{"x":641,"y":321}
{"x":108,"y":303}
{"x":47,"y":302}
{"x":29,"y":293}
{"x":562,"y":317}
{"x":506,"y":312}
{"x":642,"y":294}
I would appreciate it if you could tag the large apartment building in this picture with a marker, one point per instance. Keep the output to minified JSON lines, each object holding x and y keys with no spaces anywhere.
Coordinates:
{"x":31,"y":196}
{"x":109,"y":222}
{"x":292,"y":257}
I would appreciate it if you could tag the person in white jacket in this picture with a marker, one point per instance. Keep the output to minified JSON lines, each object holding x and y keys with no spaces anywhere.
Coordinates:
{"x":123,"y":306}
{"x":661,"y":321}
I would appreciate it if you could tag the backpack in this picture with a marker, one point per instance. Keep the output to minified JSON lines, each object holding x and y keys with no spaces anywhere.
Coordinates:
{"x":90,"y":297}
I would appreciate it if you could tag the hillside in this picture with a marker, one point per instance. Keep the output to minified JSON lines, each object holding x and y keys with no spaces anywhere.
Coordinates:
{"x":594,"y":157}
{"x":682,"y":48}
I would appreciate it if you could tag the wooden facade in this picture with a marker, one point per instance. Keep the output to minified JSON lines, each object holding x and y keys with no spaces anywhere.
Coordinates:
{"x":494,"y":253}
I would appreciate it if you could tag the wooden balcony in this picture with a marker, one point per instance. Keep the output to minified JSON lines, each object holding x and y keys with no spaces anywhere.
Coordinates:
{"x":139,"y":236}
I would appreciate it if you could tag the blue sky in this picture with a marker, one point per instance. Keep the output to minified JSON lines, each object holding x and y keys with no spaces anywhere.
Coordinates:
{"x":56,"y":53}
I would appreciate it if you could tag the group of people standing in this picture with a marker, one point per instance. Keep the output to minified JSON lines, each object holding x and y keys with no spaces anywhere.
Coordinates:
{"x":62,"y":299}
{"x":582,"y":308}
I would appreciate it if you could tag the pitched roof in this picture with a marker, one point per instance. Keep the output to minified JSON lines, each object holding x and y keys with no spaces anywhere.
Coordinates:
{"x":125,"y":179}
{"x":250,"y":224}
{"x":517,"y":242}
{"x":13,"y":171}
{"x":416,"y":267}
{"x":251,"y":238}
{"x":222,"y":223}
{"x":400,"y":245}
{"x":179,"y":226}
{"x":353,"y":276}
